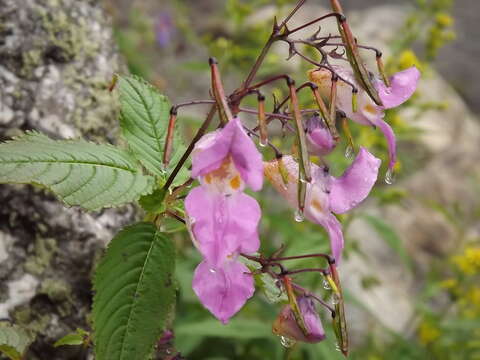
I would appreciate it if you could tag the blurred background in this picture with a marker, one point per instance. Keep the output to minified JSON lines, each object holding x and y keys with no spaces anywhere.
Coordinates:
{"x":411,"y":271}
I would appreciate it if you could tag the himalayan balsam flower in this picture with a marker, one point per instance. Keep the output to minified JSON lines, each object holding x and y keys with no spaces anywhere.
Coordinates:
{"x":402,"y":86}
{"x":286,"y":325}
{"x":319,"y":140}
{"x":223,"y":220}
{"x":325,"y":193}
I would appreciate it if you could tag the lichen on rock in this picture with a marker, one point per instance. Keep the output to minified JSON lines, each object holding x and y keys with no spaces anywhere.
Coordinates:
{"x":57,"y":61}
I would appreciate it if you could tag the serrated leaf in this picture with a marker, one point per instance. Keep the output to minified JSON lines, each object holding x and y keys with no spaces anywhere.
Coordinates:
{"x":135,"y":291}
{"x":155,"y":202}
{"x":264,"y":282}
{"x":14,"y":341}
{"x":144,"y":120}
{"x":79,"y":172}
{"x":76,"y":338}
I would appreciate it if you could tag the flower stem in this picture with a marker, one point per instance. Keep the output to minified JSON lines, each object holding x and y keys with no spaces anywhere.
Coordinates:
{"x":189,"y":150}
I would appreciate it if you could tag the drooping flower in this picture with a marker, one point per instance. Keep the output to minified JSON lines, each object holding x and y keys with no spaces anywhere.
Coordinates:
{"x":319,"y":139}
{"x":326,"y":194}
{"x":222,"y":219}
{"x":286,"y":325}
{"x":402,"y":86}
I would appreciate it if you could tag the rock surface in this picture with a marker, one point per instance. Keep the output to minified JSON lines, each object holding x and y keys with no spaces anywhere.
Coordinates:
{"x":57,"y":58}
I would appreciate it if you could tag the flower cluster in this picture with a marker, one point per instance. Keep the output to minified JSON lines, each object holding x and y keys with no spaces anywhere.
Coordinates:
{"x":325,"y":193}
{"x":402,"y":85}
{"x":222,"y":219}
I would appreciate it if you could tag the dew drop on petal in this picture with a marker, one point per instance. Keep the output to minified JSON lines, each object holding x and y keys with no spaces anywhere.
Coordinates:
{"x":287,"y":342}
{"x":326,"y":285}
{"x":299,"y":216}
{"x":263,"y":142}
{"x":212,"y":270}
{"x":390,"y":177}
{"x":349,"y":152}
{"x":337,"y":347}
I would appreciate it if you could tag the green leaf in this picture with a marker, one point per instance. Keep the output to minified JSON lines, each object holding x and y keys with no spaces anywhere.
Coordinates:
{"x":135,"y":291}
{"x":268,"y":285}
{"x":154,"y":203}
{"x":79,"y":172}
{"x":76,"y":338}
{"x":390,"y":237}
{"x":14,"y":341}
{"x":144,"y":121}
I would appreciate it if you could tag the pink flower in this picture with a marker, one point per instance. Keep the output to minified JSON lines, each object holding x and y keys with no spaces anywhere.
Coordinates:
{"x":403,"y":85}
{"x":326,"y":194}
{"x":286,"y":325}
{"x":223,"y":221}
{"x":319,"y":140}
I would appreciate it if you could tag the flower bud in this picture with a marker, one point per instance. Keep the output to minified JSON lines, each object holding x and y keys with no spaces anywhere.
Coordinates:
{"x":319,"y":140}
{"x":286,"y":325}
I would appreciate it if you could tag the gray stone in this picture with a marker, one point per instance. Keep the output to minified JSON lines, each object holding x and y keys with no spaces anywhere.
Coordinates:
{"x":57,"y":61}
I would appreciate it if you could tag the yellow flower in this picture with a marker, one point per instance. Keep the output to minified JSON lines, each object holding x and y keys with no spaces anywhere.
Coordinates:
{"x":428,"y":333}
{"x":444,"y":20}
{"x":469,"y":261}
{"x":408,"y":59}
{"x":449,"y":283}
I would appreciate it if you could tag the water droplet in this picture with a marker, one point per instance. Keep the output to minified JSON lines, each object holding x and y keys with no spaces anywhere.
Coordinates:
{"x":353,"y":203}
{"x":349,"y":152}
{"x":337,"y":347}
{"x":287,"y":342}
{"x":212,"y":270}
{"x":388,"y":90}
{"x":335,"y":298}
{"x":299,"y":216}
{"x":170,"y":191}
{"x":263,"y":142}
{"x":326,"y":285}
{"x":390,"y":177}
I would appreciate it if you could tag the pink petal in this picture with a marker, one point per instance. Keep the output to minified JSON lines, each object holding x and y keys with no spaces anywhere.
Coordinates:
{"x":223,"y":290}
{"x":246,"y":157}
{"x":222,"y":226}
{"x":211,"y":150}
{"x":320,"y":142}
{"x":391,"y":143}
{"x":402,"y":86}
{"x":334,"y":230}
{"x":367,"y":111}
{"x":311,"y":319}
{"x":286,"y":324}
{"x":317,"y":202}
{"x":355,"y":184}
{"x":232,"y":140}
